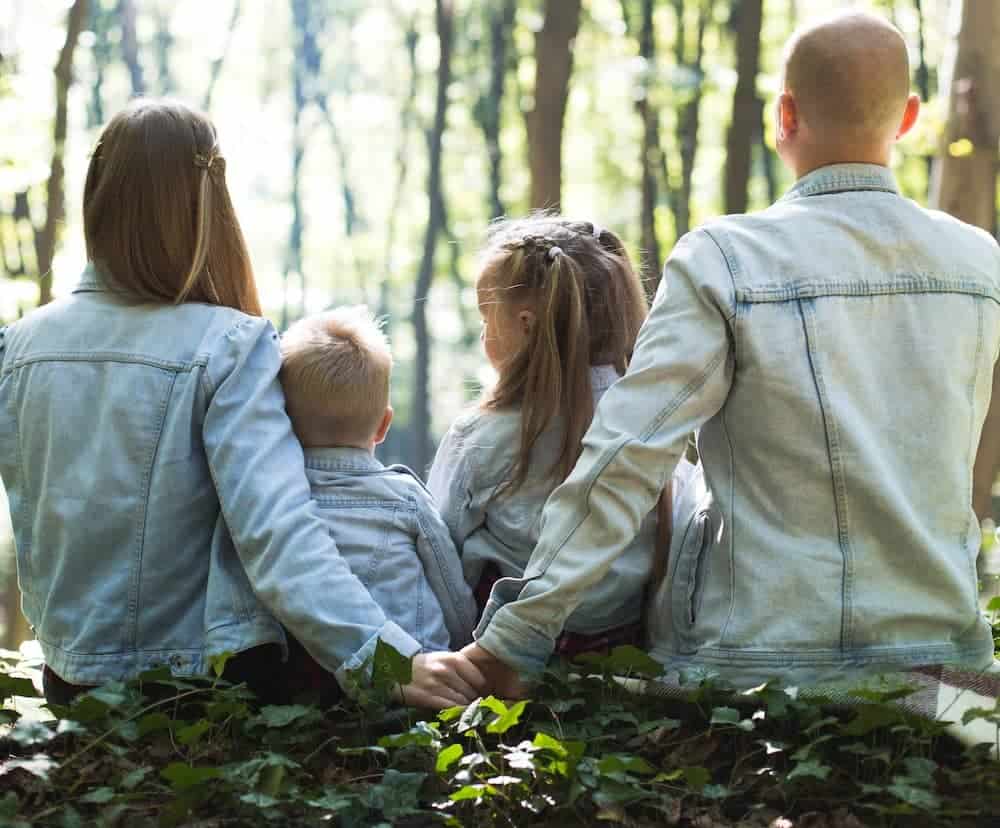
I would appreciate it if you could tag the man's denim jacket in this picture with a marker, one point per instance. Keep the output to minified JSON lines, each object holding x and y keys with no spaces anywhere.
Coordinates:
{"x":135,"y":439}
{"x":836,"y":352}
{"x":389,"y":531}
{"x":474,"y":459}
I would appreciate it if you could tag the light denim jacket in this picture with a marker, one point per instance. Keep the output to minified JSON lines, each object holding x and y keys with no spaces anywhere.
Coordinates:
{"x":836,"y":353}
{"x":389,"y":531}
{"x":134,"y":440}
{"x":474,"y":459}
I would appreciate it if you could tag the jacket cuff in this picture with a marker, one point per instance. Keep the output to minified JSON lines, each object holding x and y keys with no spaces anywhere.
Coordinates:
{"x":358,"y":668}
{"x":518,"y":645}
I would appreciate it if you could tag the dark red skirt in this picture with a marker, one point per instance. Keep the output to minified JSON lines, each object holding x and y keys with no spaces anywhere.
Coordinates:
{"x":569,"y":644}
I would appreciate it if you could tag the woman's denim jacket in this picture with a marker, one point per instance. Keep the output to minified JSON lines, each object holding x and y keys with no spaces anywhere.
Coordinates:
{"x":836,"y":352}
{"x":389,"y":531}
{"x":474,"y":459}
{"x":135,"y":440}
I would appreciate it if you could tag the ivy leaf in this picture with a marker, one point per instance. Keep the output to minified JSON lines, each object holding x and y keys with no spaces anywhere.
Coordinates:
{"x":447,"y":757}
{"x":397,"y":795}
{"x":810,"y":767}
{"x":917,"y":797}
{"x":192,"y":733}
{"x":697,"y":777}
{"x":993,"y":605}
{"x":182,"y":776}
{"x":509,"y":718}
{"x":218,"y":662}
{"x":623,"y":661}
{"x":390,"y":668}
{"x":421,"y":734}
{"x":871,"y":717}
{"x":98,"y":796}
{"x":133,"y":779}
{"x":16,"y":686}
{"x":730,"y":716}
{"x":28,"y":732}
{"x":282,"y":715}
{"x":475,"y":792}
{"x":624,"y":763}
{"x":153,"y":722}
{"x":920,"y":770}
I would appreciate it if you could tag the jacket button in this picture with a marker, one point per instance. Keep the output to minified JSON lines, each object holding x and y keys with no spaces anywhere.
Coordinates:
{"x":176,"y":661}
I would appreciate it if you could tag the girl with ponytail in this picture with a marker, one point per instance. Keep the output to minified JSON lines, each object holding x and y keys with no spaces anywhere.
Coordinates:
{"x":561,"y":307}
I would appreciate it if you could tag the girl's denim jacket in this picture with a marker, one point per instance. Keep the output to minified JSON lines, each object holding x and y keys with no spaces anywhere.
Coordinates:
{"x":474,"y":459}
{"x":836,"y":352}
{"x":135,"y":441}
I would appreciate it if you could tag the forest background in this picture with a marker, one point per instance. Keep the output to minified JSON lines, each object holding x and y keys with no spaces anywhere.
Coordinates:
{"x":370,"y":144}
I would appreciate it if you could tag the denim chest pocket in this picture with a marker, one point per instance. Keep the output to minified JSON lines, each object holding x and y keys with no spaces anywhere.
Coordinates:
{"x":689,"y":577}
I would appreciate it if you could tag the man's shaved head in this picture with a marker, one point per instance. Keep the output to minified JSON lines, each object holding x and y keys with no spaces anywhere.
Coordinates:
{"x":850,"y":76}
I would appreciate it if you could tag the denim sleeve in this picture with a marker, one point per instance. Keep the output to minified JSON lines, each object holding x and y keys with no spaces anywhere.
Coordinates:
{"x":679,"y":377}
{"x":443,"y":569}
{"x":450,"y":483}
{"x":258,"y":468}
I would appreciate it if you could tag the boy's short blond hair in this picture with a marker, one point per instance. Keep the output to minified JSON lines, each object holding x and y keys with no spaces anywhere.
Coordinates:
{"x":335,"y":371}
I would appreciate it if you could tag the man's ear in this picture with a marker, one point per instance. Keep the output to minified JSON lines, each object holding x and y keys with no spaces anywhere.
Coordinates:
{"x":527,"y":320}
{"x":383,"y":427}
{"x":788,"y":116}
{"x":910,"y":115}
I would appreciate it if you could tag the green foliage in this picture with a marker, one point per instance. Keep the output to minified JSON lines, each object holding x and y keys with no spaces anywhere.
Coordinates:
{"x":583,"y":750}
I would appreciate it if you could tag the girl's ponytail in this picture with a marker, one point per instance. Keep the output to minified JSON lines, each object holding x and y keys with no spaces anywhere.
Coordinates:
{"x":588,"y":305}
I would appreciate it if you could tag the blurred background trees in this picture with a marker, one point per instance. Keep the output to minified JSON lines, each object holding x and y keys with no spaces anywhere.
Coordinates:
{"x":370,"y":142}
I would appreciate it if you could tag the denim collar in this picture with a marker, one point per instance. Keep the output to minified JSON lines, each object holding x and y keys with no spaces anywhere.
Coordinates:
{"x":342,"y":458}
{"x":840,"y":178}
{"x":90,"y":280}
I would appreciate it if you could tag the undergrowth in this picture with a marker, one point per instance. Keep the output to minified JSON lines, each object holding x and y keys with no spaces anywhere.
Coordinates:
{"x":582,"y":751}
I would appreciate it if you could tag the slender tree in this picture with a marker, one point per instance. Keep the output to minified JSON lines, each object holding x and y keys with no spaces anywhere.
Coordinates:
{"x":688,"y":110}
{"x":553,"y":68}
{"x":215,"y":69}
{"x":500,"y":23}
{"x":746,"y":122}
{"x":445,"y":17}
{"x":964,"y":180}
{"x":130,"y":47}
{"x":47,"y":237}
{"x":650,"y":151}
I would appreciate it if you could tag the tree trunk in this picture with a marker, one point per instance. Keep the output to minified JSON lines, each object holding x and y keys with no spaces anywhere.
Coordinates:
{"x":501,"y":22}
{"x":965,"y":175}
{"x":553,"y":67}
{"x":649,"y":148}
{"x":130,"y":47}
{"x":420,"y":409}
{"x":746,"y":17}
{"x":302,"y":43}
{"x":47,"y":237}
{"x":406,"y":115}
{"x":216,"y":68}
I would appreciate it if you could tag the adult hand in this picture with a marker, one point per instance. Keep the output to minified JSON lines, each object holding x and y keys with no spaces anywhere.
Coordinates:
{"x":503,"y":680}
{"x":442,"y":680}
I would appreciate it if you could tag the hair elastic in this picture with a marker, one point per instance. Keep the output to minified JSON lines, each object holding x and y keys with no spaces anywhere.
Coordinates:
{"x":598,"y":230}
{"x":554,"y":251}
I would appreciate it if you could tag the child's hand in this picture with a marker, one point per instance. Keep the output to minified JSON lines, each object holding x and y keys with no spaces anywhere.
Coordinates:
{"x":442,"y":680}
{"x":503,"y":680}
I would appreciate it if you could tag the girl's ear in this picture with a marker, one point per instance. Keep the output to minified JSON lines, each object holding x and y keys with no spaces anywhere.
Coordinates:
{"x":527,"y":320}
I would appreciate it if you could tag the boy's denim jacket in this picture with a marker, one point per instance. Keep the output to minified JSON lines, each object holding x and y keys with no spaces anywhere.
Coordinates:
{"x":474,"y":459}
{"x":388,"y":529}
{"x":836,"y":352}
{"x":135,"y":439}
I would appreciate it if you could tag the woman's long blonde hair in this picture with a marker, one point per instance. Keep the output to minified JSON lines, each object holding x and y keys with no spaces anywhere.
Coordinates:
{"x":588,"y":304}
{"x":157,"y":217}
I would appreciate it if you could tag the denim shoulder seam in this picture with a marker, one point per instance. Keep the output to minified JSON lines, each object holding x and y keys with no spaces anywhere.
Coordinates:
{"x":729,"y":257}
{"x":243,"y":354}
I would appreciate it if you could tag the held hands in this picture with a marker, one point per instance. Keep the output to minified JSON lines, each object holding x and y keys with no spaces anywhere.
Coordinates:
{"x":442,"y":680}
{"x":503,"y":681}
{"x":448,"y":679}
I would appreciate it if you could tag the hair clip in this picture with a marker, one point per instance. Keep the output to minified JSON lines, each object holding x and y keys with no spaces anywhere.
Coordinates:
{"x":554,"y":251}
{"x":205,"y":161}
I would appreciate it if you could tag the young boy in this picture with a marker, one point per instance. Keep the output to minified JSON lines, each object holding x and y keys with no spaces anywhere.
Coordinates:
{"x":335,"y":374}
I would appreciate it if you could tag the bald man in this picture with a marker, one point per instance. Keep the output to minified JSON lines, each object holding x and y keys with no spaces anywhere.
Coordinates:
{"x":834,"y":353}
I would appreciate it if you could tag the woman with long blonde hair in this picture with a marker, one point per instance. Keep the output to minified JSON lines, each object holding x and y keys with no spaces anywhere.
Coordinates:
{"x":160,"y":507}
